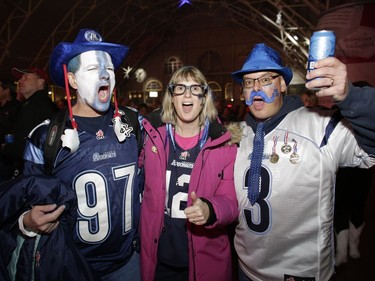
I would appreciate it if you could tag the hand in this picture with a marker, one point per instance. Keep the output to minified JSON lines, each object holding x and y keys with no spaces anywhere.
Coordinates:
{"x":198,"y":213}
{"x":333,"y":78}
{"x":43,"y":219}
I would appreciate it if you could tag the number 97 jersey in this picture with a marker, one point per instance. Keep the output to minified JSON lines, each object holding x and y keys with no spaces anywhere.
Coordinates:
{"x":108,"y":201}
{"x":103,"y":174}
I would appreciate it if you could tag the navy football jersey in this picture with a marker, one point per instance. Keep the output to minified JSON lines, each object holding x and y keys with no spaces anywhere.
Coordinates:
{"x":173,"y":242}
{"x":103,"y":173}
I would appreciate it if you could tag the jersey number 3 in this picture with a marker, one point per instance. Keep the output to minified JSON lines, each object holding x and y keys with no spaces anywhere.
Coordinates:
{"x":258,"y":217}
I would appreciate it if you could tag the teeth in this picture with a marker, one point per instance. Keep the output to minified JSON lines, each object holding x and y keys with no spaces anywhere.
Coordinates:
{"x":187,"y":103}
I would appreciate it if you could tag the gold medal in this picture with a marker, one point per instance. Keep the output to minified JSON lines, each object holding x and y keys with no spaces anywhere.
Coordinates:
{"x":274,"y":158}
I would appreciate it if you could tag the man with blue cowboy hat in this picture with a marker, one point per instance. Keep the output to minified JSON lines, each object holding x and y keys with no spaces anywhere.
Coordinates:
{"x":98,"y":159}
{"x":286,"y":165}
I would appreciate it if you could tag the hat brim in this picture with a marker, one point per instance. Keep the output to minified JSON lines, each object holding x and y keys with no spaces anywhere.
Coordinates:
{"x":18,"y":73}
{"x":64,"y":52}
{"x":261,"y":65}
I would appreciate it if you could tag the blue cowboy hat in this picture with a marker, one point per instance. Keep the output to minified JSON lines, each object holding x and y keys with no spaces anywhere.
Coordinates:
{"x":86,"y":40}
{"x":263,"y":58}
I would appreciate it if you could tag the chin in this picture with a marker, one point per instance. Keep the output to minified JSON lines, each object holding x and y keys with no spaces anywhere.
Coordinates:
{"x":101,"y":108}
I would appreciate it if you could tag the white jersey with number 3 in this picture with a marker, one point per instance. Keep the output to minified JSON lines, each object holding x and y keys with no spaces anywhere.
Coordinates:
{"x":288,"y":232}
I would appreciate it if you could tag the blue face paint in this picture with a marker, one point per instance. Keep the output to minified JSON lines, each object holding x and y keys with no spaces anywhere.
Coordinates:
{"x":263,"y":95}
{"x":95,"y":80}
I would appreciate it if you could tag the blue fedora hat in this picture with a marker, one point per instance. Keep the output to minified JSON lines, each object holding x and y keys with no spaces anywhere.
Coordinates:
{"x":86,"y":40}
{"x":263,"y":58}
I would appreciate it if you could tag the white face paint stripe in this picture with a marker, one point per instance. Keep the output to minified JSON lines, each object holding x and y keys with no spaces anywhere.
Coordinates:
{"x":96,"y":71}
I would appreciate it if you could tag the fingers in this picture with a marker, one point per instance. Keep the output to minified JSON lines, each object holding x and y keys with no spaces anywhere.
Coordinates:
{"x":198,"y":220}
{"x":330,"y":78}
{"x":198,"y":212}
{"x":43,"y":219}
{"x":52,"y":227}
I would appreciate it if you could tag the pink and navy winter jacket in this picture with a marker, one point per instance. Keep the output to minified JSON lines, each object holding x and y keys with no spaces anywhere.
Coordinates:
{"x":212,"y":179}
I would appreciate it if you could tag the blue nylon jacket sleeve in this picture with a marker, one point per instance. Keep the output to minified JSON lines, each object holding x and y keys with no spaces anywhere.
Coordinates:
{"x":359,"y":109}
{"x":60,"y":259}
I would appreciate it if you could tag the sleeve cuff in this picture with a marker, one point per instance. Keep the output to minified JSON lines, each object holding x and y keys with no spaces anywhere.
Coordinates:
{"x":212,"y":218}
{"x":22,"y":227}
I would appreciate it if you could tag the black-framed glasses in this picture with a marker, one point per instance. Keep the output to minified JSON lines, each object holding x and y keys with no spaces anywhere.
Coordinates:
{"x":180,"y":89}
{"x":248,"y":83}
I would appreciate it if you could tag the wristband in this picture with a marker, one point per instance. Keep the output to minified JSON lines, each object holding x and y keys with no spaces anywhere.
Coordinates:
{"x":22,"y":227}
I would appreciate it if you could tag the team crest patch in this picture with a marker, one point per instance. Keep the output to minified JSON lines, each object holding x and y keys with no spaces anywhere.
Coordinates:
{"x":297,"y":278}
{"x":184,"y":155}
{"x":99,"y":135}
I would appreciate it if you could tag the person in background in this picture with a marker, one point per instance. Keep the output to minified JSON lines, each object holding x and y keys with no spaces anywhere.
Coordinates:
{"x":309,"y":99}
{"x":37,"y":106}
{"x":286,"y":166}
{"x":189,"y":198}
{"x":9,"y":110}
{"x":143,"y":109}
{"x":349,"y":218}
{"x":98,"y":161}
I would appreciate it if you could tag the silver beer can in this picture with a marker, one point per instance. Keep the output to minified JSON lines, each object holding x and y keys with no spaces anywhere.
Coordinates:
{"x":322,"y":45}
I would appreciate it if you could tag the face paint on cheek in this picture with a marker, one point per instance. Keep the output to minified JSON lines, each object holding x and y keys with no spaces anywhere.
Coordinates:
{"x":263,"y":95}
{"x":96,"y":79}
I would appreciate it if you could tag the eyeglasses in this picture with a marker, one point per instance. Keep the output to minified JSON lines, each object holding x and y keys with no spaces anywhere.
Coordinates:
{"x":263,"y":81}
{"x":195,"y":90}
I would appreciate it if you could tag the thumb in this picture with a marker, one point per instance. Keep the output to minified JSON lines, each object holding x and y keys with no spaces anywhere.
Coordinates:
{"x":193,"y":197}
{"x":48,"y":208}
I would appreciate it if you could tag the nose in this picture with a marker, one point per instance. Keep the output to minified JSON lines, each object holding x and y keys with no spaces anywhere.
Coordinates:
{"x":257,"y":86}
{"x":187,"y":90}
{"x":104,"y":74}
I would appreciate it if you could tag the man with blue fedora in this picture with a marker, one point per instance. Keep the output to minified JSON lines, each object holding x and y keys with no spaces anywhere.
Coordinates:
{"x":97,"y":159}
{"x":286,"y":165}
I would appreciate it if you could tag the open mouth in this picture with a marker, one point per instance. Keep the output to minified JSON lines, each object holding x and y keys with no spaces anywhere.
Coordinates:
{"x":257,"y":99}
{"x":103,"y":93}
{"x":187,"y":107}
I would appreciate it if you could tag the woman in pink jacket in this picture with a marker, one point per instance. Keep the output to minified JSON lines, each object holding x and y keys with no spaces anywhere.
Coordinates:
{"x":189,"y":197}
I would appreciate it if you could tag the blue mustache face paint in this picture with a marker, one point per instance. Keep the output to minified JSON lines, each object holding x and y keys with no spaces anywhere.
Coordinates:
{"x":263,"y":96}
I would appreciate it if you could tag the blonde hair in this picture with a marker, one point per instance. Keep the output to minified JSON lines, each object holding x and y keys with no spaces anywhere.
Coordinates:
{"x":188,"y":73}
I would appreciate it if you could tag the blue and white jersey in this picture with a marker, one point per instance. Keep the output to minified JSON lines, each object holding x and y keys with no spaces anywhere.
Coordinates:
{"x":103,"y":174}
{"x":288,"y":233}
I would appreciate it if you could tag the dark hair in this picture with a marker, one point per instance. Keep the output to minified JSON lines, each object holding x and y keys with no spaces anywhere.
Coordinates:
{"x":9,"y":84}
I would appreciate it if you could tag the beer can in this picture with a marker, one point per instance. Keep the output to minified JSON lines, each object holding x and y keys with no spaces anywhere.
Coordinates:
{"x":322,"y":45}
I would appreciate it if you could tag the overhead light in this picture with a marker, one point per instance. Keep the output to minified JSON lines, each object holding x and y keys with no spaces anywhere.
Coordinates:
{"x":153,"y":94}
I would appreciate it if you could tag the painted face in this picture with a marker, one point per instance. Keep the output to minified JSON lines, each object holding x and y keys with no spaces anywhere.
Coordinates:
{"x":95,"y":80}
{"x":264,"y":101}
{"x":188,"y":106}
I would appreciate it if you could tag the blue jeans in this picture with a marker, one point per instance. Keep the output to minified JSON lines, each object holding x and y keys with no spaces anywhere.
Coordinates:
{"x":129,"y":272}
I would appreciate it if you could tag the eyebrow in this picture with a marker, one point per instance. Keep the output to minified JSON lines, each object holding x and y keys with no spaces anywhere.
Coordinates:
{"x":266,"y":74}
